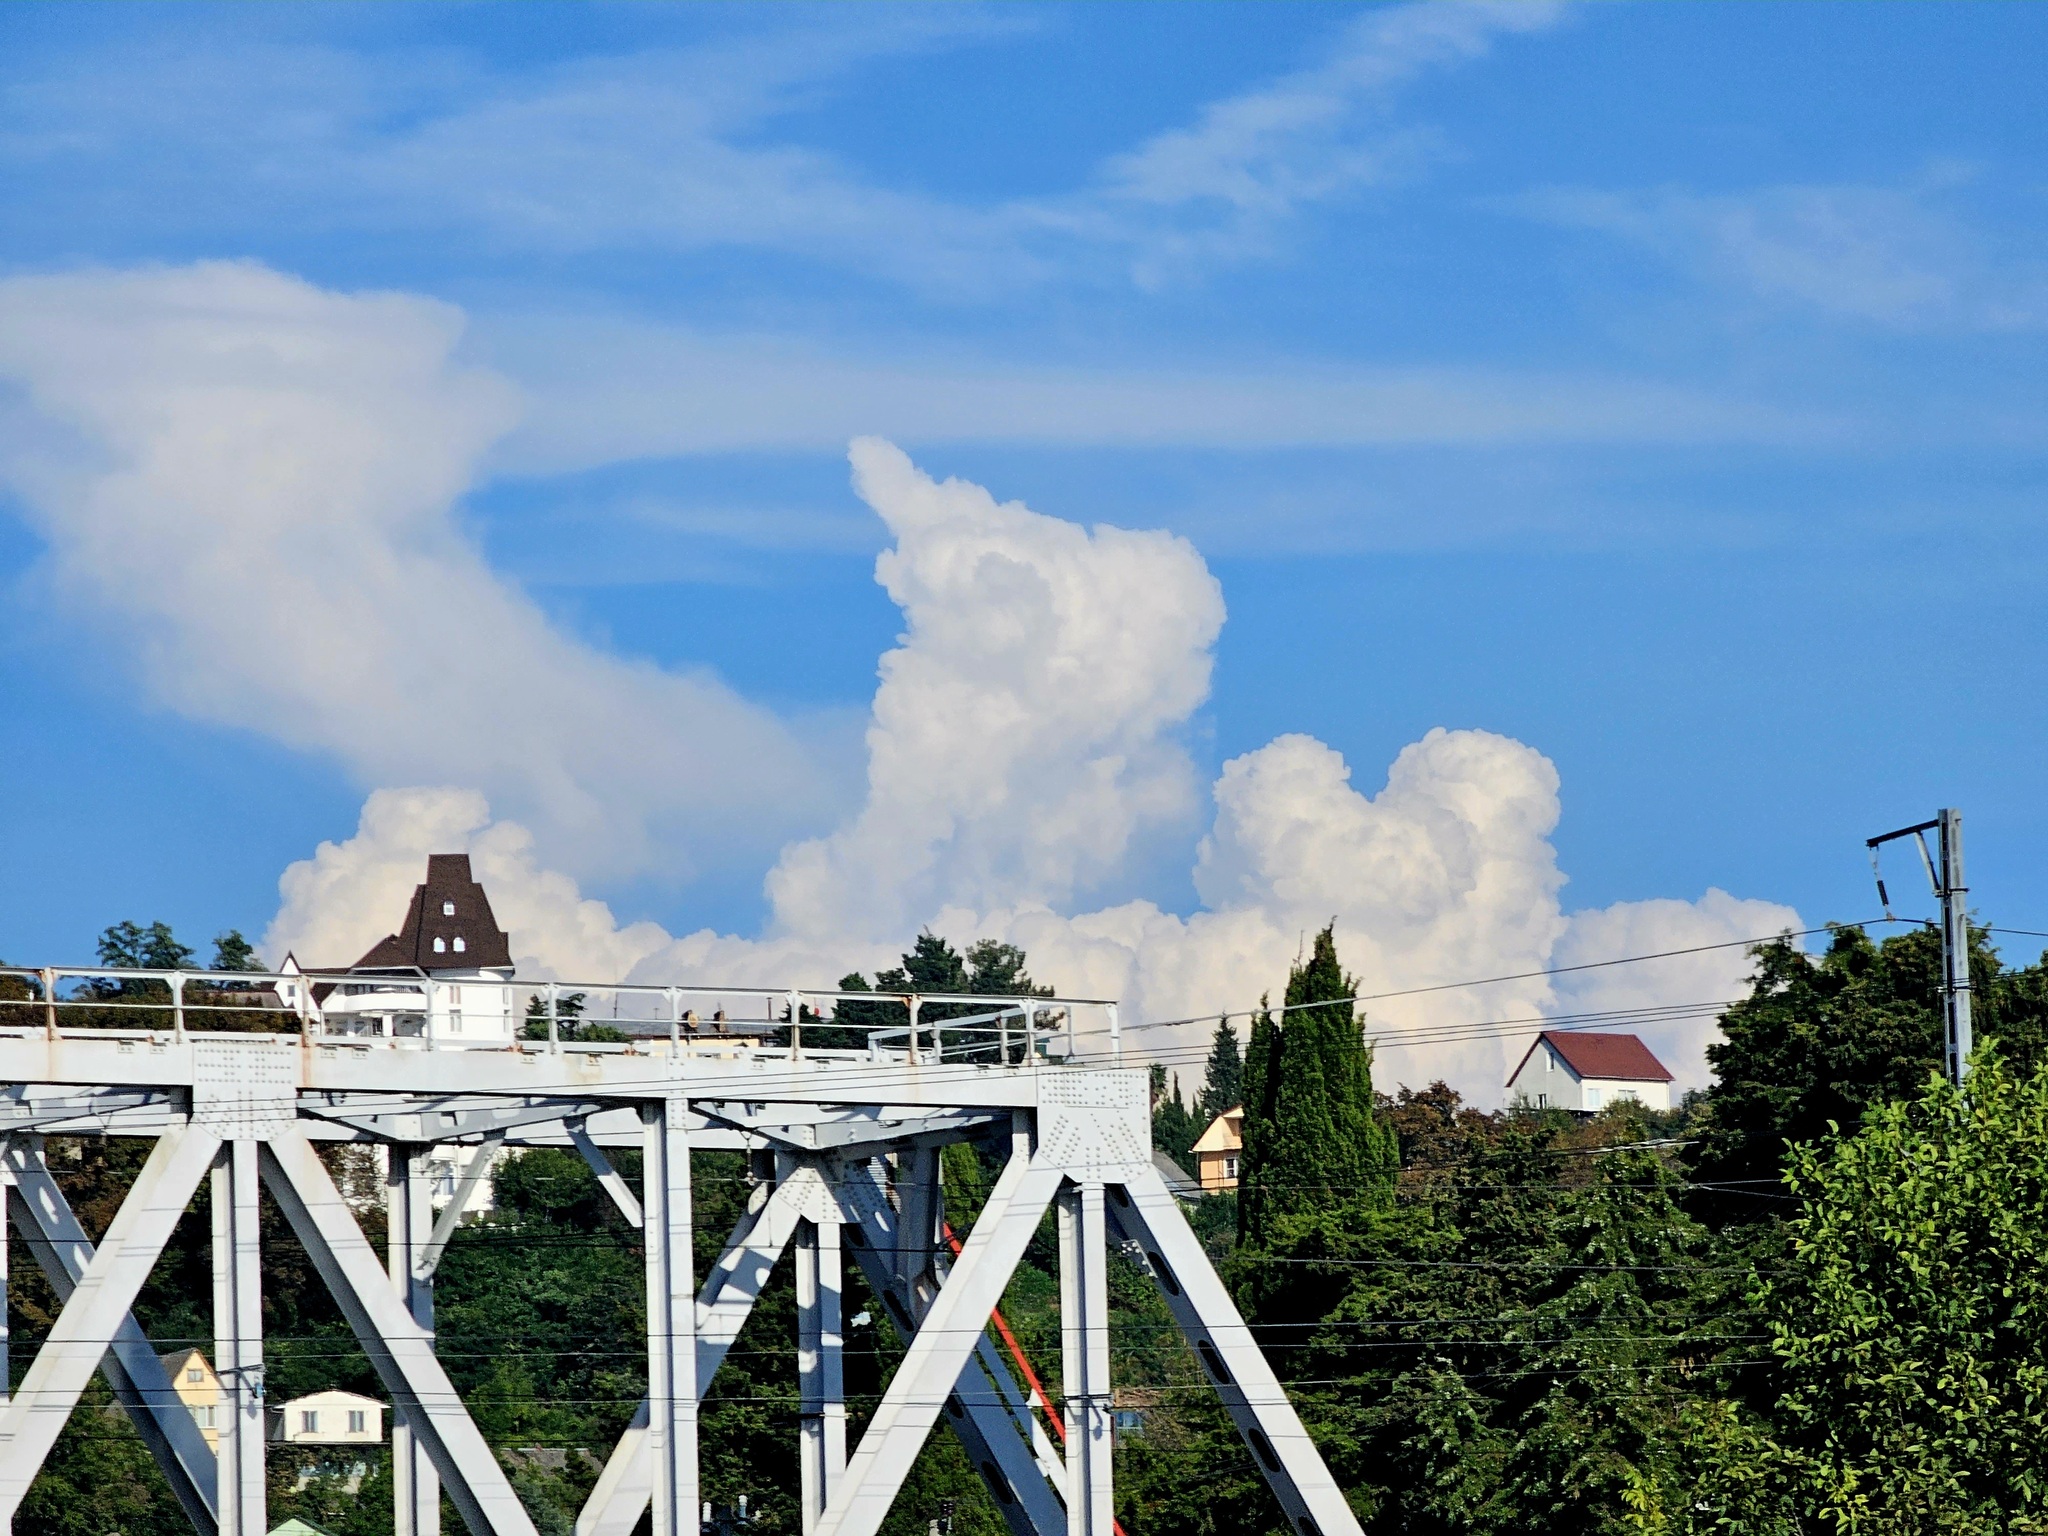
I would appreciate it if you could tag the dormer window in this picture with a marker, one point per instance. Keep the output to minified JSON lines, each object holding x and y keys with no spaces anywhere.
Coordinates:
{"x":447,"y":909}
{"x":440,"y":946}
{"x":459,"y":946}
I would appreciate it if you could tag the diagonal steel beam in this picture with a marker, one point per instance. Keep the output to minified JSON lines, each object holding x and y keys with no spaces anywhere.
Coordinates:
{"x":985,"y":1409}
{"x":1293,"y":1468}
{"x":943,"y":1346}
{"x":399,"y":1348}
{"x":608,"y":1176}
{"x":92,"y":1318}
{"x":429,"y":1258}
{"x":140,"y":1384}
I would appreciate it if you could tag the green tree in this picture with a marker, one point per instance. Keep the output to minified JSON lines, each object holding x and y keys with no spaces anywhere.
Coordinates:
{"x":1223,"y":1079}
{"x":1819,"y":1040}
{"x":1312,"y":1137}
{"x":569,"y":1021}
{"x":129,"y":946}
{"x":1174,"y":1129}
{"x":930,"y":970}
{"x":1910,"y":1313}
{"x":232,"y":952}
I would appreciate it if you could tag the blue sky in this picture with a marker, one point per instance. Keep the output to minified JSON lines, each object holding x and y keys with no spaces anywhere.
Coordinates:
{"x":1659,"y":386}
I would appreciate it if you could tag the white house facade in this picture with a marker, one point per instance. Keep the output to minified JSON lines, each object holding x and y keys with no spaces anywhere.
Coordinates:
{"x":328,"y":1418}
{"x":440,"y":977}
{"x":1586,"y":1073}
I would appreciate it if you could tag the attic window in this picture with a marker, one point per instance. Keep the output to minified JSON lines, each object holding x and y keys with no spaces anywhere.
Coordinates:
{"x":459,"y":945}
{"x":440,"y":946}
{"x":447,"y":909}
{"x":194,"y":1373}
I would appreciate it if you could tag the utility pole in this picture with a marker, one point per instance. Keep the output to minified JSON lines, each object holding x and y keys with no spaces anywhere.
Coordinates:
{"x":1944,"y":864}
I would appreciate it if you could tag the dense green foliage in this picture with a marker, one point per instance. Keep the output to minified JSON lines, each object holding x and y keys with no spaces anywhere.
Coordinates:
{"x":1810,"y":1300}
{"x":1313,"y":1139}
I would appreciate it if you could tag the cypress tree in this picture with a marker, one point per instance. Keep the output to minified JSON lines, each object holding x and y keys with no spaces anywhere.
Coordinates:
{"x":1255,"y":1157}
{"x":1223,"y":1081}
{"x":1312,"y":1138}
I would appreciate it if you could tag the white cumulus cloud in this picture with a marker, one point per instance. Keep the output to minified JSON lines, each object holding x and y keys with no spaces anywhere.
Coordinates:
{"x":1025,"y":735}
{"x":256,"y":481}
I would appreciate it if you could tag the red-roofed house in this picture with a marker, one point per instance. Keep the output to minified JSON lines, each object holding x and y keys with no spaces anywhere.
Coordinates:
{"x":1584,"y":1073}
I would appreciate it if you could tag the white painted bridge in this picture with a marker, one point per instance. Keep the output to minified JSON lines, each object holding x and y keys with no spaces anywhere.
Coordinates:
{"x":845,"y":1142}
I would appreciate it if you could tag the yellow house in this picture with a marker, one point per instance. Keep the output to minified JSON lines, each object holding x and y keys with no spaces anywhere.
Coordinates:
{"x":1217,"y":1150}
{"x":198,"y":1389}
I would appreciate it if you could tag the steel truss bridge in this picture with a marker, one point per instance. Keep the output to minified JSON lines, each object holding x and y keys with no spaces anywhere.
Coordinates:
{"x":846,"y":1143}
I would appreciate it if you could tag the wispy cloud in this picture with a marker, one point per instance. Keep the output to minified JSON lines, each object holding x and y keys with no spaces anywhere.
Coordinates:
{"x":682,"y":149}
{"x":1903,"y":256}
{"x":250,"y":483}
{"x":606,"y":390}
{"x":1227,"y":183}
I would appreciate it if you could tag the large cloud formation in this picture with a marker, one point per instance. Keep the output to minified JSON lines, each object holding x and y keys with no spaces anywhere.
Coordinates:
{"x":183,"y":437}
{"x":256,"y":482}
{"x":1025,"y":736}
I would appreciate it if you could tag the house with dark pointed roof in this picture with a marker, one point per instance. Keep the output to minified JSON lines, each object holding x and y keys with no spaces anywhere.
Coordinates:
{"x":413,"y":982}
{"x":1585,"y":1073}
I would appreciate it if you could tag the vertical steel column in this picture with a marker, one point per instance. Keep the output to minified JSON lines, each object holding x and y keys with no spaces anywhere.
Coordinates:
{"x":409,"y":1221}
{"x":238,"y":1342}
{"x":1955,"y":945}
{"x":671,"y":1317}
{"x":819,"y":1367}
{"x":920,"y":1209}
{"x":6,"y":1275}
{"x":1084,"y":1360}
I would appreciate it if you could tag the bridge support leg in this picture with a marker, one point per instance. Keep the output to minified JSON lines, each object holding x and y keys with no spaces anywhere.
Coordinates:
{"x":238,"y":1342}
{"x":1084,"y":1360}
{"x":409,"y":1222}
{"x":97,"y":1310}
{"x":943,"y":1346}
{"x":985,"y":1408}
{"x":819,"y":1368}
{"x":6,"y":1272}
{"x":671,"y":1317}
{"x":1252,"y":1394}
{"x":63,"y":1252}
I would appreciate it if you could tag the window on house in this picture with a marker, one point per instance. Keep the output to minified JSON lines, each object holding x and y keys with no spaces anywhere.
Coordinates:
{"x":309,"y":1421}
{"x":195,"y":1373}
{"x":1542,"y":1100}
{"x":1229,"y":1167}
{"x":440,"y":946}
{"x":455,"y":1023}
{"x":459,"y":945}
{"x":358,"y":1421}
{"x":447,"y":909}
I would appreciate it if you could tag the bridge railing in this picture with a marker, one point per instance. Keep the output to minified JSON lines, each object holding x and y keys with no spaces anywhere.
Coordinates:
{"x":414,"y":1010}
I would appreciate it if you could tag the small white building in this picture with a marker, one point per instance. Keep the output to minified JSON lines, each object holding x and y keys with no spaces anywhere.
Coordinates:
{"x":1585,"y":1073}
{"x":328,"y":1418}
